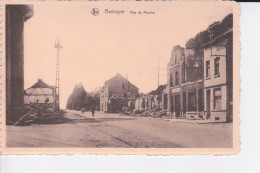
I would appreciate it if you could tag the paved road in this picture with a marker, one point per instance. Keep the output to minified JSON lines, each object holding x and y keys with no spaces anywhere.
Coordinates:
{"x":113,"y":130}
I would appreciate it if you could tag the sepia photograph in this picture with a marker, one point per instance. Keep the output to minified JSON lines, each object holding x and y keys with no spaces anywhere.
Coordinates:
{"x":100,"y":75}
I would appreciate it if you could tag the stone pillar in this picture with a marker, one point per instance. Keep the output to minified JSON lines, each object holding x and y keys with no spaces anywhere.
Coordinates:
{"x":187,"y":102}
{"x":16,"y":15}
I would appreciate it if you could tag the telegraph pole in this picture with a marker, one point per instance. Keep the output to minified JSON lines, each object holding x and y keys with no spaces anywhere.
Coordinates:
{"x":57,"y":83}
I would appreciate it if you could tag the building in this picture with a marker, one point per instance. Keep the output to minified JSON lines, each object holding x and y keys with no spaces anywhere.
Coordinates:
{"x":183,"y":95}
{"x":147,"y":102}
{"x":116,"y":93}
{"x":40,"y":94}
{"x":16,"y":16}
{"x":218,"y":72}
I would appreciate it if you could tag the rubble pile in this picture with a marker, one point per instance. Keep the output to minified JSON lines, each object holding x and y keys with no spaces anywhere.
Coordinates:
{"x":41,"y":115}
{"x":155,"y":113}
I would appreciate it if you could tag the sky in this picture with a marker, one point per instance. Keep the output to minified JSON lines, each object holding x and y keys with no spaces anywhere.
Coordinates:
{"x":95,"y":48}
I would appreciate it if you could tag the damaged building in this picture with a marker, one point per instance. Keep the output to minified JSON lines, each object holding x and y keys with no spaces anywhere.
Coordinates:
{"x":184,"y":92}
{"x":39,"y":95}
{"x":200,"y":76}
{"x":116,"y":93}
{"x":147,"y":102}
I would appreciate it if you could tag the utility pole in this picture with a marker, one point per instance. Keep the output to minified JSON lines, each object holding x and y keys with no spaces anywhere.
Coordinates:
{"x":57,"y":83}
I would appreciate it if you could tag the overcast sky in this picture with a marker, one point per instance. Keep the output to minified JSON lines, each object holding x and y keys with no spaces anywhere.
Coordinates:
{"x":95,"y":48}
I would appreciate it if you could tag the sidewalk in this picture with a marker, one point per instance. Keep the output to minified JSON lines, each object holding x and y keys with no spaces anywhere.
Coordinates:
{"x":192,"y":121}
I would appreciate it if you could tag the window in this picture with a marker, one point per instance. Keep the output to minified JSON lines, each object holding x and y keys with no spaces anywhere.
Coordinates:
{"x":207,"y":69}
{"x":125,"y":96}
{"x":216,"y":64}
{"x":176,"y":59}
{"x":183,"y":75}
{"x":123,"y":86}
{"x":171,"y":80}
{"x":176,"y":78}
{"x":217,"y":98}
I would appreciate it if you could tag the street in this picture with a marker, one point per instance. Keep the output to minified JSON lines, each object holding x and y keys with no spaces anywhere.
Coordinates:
{"x":114,"y":130}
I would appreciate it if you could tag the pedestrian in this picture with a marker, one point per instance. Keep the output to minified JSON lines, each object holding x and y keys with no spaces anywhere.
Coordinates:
{"x":93,"y":110}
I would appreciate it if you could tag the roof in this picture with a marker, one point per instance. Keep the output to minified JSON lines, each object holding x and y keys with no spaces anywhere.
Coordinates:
{"x":230,"y":30}
{"x":39,"y":88}
{"x":122,"y":77}
{"x":41,"y":84}
{"x":39,"y":91}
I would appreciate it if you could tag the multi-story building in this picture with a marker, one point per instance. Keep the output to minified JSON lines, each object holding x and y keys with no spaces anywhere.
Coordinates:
{"x":200,"y":80}
{"x":116,"y":93}
{"x":183,"y":95}
{"x":218,"y":75}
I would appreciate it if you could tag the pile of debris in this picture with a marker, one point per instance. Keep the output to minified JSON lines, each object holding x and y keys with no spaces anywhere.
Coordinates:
{"x":41,"y":116}
{"x":155,"y":113}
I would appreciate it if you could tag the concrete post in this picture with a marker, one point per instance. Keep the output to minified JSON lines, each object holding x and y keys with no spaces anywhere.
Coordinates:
{"x":16,"y":15}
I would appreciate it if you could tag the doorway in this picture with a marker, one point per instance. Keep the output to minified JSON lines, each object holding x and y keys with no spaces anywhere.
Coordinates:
{"x":208,"y":103}
{"x":171,"y":104}
{"x":177,"y":106}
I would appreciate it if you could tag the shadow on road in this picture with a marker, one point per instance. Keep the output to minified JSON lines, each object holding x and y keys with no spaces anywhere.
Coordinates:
{"x":78,"y":118}
{"x":99,"y":120}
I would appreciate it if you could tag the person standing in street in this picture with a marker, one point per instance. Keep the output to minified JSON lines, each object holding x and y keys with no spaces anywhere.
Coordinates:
{"x":93,"y":110}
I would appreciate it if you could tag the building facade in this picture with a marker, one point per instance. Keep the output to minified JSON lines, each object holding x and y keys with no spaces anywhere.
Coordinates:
{"x":183,"y":96}
{"x":218,"y":75}
{"x":200,"y":80}
{"x":116,"y":93}
{"x":39,"y":95}
{"x":147,"y":102}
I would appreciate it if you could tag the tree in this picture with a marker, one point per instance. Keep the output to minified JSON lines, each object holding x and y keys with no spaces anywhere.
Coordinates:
{"x":81,"y":99}
{"x":77,"y":99}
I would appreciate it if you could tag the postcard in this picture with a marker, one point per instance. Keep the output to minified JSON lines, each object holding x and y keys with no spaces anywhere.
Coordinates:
{"x":133,"y":77}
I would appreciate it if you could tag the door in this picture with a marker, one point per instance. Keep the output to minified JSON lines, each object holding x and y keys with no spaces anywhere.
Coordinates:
{"x":208,"y":103}
{"x":184,"y":102}
{"x":177,"y":106}
{"x":171,"y":104}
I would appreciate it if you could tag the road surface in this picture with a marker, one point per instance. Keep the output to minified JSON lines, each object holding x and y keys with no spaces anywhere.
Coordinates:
{"x":114,"y":130}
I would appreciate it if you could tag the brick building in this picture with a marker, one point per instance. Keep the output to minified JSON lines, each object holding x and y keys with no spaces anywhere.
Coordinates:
{"x":116,"y":93}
